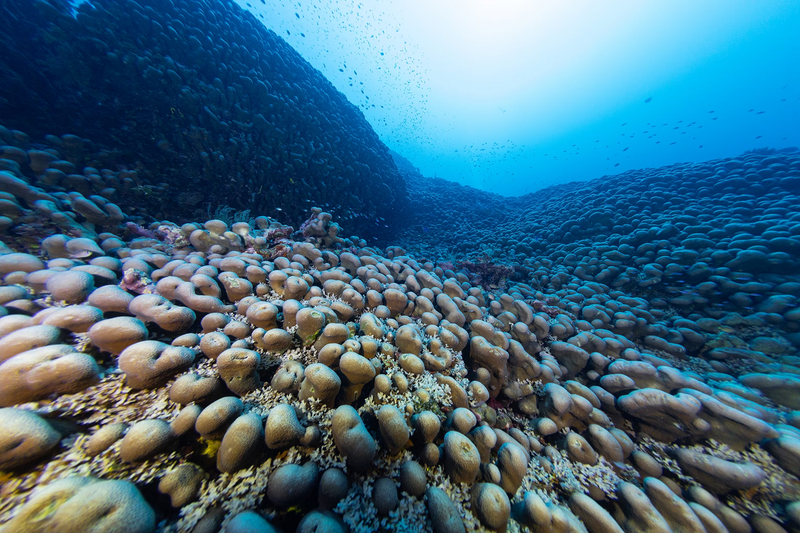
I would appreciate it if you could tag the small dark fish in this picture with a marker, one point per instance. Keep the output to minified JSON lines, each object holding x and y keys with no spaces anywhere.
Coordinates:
{"x":616,"y":165}
{"x":648,"y":100}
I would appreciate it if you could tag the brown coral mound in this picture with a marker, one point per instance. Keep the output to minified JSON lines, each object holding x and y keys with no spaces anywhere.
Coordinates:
{"x":338,"y":385}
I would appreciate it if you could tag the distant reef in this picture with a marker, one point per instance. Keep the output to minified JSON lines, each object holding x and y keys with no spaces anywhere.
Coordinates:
{"x":673,"y":204}
{"x":210,"y":107}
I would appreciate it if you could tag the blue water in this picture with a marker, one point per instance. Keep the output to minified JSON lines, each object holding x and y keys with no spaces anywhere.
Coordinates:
{"x":510,"y":97}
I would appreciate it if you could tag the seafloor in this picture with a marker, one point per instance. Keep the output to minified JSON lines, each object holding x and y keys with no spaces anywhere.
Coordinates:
{"x":188,"y":344}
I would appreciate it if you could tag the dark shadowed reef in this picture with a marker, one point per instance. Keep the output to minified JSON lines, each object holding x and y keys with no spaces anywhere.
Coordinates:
{"x":214,"y":108}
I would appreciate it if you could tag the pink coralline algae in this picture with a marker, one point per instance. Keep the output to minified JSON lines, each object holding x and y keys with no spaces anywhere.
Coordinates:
{"x":137,"y":281}
{"x":487,"y":274}
{"x":447,"y":265}
{"x":172,"y":235}
{"x":540,"y":306}
{"x":274,"y":243}
{"x":314,"y":226}
{"x":169,"y":235}
{"x":278,"y":233}
{"x":318,"y":228}
{"x":136,"y":229}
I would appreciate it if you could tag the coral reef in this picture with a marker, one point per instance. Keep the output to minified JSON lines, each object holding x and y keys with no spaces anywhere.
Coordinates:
{"x":218,"y":113}
{"x":614,"y":355}
{"x":206,"y":375}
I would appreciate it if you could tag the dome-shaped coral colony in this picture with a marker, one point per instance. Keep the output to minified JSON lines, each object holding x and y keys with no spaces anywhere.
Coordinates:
{"x":615,"y":355}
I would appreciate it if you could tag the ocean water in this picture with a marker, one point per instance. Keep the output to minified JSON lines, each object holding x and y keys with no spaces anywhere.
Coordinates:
{"x":511,"y":97}
{"x":361,"y":266}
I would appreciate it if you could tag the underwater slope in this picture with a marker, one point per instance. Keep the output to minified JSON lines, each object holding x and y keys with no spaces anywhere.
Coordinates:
{"x":448,"y":220}
{"x":738,"y":213}
{"x":637,"y":371}
{"x":223,"y":109}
